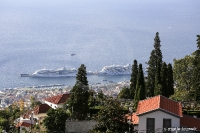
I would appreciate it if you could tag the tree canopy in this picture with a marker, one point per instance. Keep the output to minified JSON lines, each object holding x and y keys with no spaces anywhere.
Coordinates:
{"x":55,"y":120}
{"x":154,"y":60}
{"x":140,"y":87}
{"x":79,"y":95}
{"x":125,"y":93}
{"x":133,"y":80}
{"x":111,"y":118}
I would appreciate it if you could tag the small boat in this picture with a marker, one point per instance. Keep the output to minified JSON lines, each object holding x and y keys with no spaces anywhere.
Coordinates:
{"x":73,"y":54}
{"x":24,"y":75}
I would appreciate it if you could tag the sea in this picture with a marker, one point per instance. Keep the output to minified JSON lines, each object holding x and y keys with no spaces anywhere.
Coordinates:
{"x":43,"y":34}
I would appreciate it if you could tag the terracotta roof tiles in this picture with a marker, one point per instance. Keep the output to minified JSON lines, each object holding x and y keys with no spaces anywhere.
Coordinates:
{"x":42,"y":108}
{"x":159,"y":103}
{"x":62,"y":98}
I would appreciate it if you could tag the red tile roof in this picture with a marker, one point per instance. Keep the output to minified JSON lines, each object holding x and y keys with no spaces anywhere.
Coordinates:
{"x":62,"y":98}
{"x":190,"y":122}
{"x":159,"y":103}
{"x":23,"y":124}
{"x":42,"y":108}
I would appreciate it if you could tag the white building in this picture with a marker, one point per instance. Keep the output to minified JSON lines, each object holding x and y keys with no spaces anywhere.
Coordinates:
{"x":31,"y":117}
{"x":57,"y":101}
{"x":160,"y":114}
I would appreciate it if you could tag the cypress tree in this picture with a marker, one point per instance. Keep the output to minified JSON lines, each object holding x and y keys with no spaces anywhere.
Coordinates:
{"x":158,"y":85}
{"x":140,"y":87}
{"x":133,"y":79}
{"x":164,"y":75}
{"x":155,"y":57}
{"x":81,"y":75}
{"x":79,"y":95}
{"x":170,"y":80}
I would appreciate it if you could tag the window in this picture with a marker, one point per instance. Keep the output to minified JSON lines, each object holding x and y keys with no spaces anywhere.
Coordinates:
{"x":150,"y":125}
{"x":166,"y":125}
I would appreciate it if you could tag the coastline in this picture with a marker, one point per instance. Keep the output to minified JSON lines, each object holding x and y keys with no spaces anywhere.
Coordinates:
{"x":10,"y":96}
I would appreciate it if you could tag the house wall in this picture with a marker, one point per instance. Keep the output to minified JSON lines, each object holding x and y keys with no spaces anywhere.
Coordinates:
{"x":27,"y":120}
{"x":159,"y":116}
{"x":54,"y":106}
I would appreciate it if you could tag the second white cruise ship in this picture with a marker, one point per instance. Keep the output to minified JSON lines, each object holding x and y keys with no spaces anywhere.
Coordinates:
{"x":48,"y":73}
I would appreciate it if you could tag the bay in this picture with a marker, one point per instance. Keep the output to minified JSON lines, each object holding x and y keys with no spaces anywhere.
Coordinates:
{"x":43,"y":34}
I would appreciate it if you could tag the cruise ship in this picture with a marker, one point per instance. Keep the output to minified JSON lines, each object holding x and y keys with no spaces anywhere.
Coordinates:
{"x":48,"y":73}
{"x":116,"y":70}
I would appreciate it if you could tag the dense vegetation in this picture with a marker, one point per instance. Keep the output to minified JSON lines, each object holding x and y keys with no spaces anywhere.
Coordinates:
{"x":180,"y":82}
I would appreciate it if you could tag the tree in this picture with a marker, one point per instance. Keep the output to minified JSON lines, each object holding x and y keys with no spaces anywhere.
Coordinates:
{"x":164,"y":75}
{"x":34,"y":102}
{"x":78,"y":101}
{"x":186,"y":73}
{"x":125,"y":93}
{"x":81,"y":76}
{"x":170,"y":80}
{"x":79,"y":95}
{"x":21,"y":104}
{"x":158,"y":86}
{"x":196,"y":75}
{"x":133,"y":79}
{"x":183,"y":72}
{"x":4,"y":122}
{"x":111,"y":118}
{"x":55,"y":120}
{"x":140,"y":87}
{"x":156,"y":56}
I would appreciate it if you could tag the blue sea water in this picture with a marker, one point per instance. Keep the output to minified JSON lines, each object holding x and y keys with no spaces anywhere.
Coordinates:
{"x":43,"y":34}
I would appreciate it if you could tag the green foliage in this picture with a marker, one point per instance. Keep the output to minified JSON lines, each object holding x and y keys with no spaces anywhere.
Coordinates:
{"x":170,"y":80}
{"x":158,"y":87}
{"x":183,"y":72}
{"x":81,"y":76}
{"x":125,"y":93}
{"x":164,"y":75}
{"x":186,"y":73}
{"x":111,"y":118}
{"x":181,"y":96}
{"x":133,"y":80}
{"x":78,"y":101}
{"x":155,"y":57}
{"x":91,"y":100}
{"x":55,"y":120}
{"x":79,"y":95}
{"x":196,"y":76}
{"x":4,"y":119}
{"x":33,"y":101}
{"x":140,"y":87}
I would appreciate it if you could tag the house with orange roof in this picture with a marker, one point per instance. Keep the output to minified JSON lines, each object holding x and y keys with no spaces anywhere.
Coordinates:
{"x":34,"y":116}
{"x":57,"y":101}
{"x":161,"y":114}
{"x":40,"y":112}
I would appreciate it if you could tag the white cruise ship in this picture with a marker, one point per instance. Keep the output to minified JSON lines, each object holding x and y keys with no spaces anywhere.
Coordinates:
{"x":48,"y":73}
{"x":116,"y":70}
